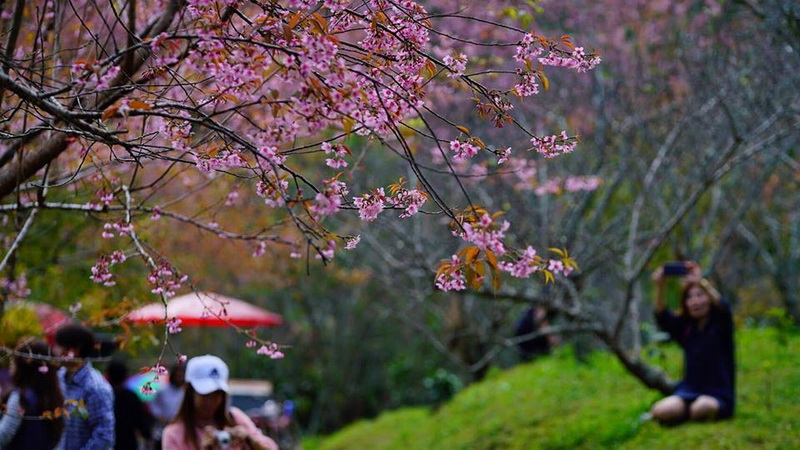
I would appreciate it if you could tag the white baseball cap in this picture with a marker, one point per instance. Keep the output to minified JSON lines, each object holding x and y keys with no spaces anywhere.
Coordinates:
{"x":207,"y":374}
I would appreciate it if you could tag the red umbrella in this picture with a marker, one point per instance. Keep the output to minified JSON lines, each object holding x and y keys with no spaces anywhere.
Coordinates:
{"x":206,"y":309}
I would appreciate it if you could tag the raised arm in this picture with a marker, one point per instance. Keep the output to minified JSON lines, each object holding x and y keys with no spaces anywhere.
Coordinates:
{"x":658,"y":279}
{"x":695,"y":275}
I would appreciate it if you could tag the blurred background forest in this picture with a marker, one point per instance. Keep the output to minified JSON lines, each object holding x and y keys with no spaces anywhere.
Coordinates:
{"x":690,"y":125}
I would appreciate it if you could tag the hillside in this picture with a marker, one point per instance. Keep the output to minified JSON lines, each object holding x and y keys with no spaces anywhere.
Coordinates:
{"x":558,"y":403}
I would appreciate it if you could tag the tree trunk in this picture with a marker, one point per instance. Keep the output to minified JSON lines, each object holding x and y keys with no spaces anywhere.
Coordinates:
{"x":650,"y":376}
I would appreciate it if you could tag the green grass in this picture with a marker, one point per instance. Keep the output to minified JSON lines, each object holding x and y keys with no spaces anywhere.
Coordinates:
{"x":558,"y":403}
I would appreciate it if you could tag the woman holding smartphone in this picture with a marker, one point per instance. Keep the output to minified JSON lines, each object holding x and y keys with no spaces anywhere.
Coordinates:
{"x":703,"y":327}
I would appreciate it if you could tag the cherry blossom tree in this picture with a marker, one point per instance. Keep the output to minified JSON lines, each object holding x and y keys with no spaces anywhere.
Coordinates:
{"x":138,"y":112}
{"x":681,"y":150}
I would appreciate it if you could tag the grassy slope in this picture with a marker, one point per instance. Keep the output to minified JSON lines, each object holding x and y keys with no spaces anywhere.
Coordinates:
{"x":557,"y":403}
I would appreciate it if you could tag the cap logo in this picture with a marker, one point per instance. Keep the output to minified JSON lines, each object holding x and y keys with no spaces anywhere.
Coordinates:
{"x":214,"y":373}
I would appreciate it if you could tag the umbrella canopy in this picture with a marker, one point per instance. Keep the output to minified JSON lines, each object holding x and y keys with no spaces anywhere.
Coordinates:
{"x":50,"y":317}
{"x":206,"y":309}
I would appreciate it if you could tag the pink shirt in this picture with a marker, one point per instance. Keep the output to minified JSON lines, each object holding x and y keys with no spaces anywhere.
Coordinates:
{"x":172,"y":439}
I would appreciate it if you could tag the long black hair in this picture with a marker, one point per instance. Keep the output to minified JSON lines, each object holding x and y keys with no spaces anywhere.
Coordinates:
{"x":188,"y":416}
{"x":40,"y":377}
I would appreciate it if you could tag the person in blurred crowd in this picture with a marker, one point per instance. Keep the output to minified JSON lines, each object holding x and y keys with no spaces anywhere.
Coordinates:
{"x":89,"y":398}
{"x":132,"y":421}
{"x":205,"y":419}
{"x":167,"y":401}
{"x":704,"y":328}
{"x":36,"y":392}
{"x":530,"y":346}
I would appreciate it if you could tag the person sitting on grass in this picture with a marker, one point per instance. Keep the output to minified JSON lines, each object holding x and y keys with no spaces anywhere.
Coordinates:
{"x":703,"y":327}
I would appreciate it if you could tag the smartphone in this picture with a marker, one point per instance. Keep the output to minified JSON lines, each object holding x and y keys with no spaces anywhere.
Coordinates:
{"x":675,"y":269}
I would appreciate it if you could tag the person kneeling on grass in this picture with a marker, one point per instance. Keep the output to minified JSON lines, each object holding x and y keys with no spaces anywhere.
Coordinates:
{"x":704,"y":329}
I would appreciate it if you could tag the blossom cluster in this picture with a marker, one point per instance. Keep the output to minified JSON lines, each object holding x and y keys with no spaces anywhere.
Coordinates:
{"x":273,"y":190}
{"x":174,"y":325}
{"x":588,"y":183}
{"x":463,"y":150}
{"x":261,"y":249}
{"x":524,"y":266}
{"x":554,"y":145}
{"x":452,"y":280}
{"x":410,"y":200}
{"x":528,"y":49}
{"x":457,"y":64}
{"x":558,"y":267}
{"x":326,"y":253}
{"x":101,"y":270}
{"x":352,"y":242}
{"x":577,"y":60}
{"x":370,"y":205}
{"x":339,"y":151}
{"x":272,"y":155}
{"x":528,"y":85}
{"x":328,"y":201}
{"x":486,"y":233}
{"x":165,"y":279}
{"x":272,"y":350}
{"x":503,"y":155}
{"x":121,"y":228}
{"x":557,"y":185}
{"x":523,"y":171}
{"x":105,"y":197}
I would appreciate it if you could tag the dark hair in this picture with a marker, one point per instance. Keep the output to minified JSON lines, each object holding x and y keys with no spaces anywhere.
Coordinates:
{"x":117,"y":372}
{"x":28,"y":375}
{"x":176,"y":369}
{"x":187,"y":415}
{"x":77,"y":337}
{"x":713,"y":297}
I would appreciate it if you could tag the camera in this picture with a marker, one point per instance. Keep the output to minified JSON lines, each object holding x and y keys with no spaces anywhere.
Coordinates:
{"x":675,"y":269}
{"x":223,"y":438}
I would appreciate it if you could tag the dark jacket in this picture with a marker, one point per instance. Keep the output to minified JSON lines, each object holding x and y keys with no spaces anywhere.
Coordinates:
{"x":709,"y":364}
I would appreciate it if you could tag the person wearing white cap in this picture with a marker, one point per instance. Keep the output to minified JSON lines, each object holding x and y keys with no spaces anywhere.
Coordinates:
{"x":205,"y":419}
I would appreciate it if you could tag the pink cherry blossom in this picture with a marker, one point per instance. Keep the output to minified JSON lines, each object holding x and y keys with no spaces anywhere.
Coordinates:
{"x":457,"y":64}
{"x":551,"y":146}
{"x":174,"y":325}
{"x":524,"y":266}
{"x":411,"y":200}
{"x":327,"y":252}
{"x":352,"y":242}
{"x":370,"y":205}
{"x":454,"y":281}
{"x":486,"y":234}
{"x":463,"y":150}
{"x":261,"y":249}
{"x":264,"y":350}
